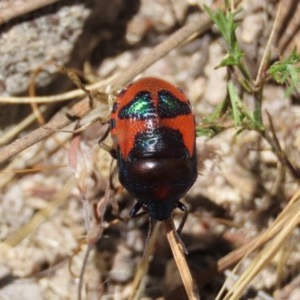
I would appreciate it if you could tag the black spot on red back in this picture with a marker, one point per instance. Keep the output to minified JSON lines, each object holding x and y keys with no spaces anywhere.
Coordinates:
{"x":141,"y":107}
{"x":170,"y":107}
{"x":162,"y":142}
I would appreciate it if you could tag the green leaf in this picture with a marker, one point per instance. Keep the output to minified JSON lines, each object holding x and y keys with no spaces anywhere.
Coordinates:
{"x":208,"y":131}
{"x":217,"y":112}
{"x":287,"y":72}
{"x":235,"y":104}
{"x":227,"y":26}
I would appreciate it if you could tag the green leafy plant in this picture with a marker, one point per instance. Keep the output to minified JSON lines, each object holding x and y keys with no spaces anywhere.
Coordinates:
{"x":227,"y":26}
{"x":286,"y":71}
{"x":234,"y":110}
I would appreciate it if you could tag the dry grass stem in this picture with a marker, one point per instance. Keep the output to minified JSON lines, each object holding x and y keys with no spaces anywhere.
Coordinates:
{"x":16,"y":10}
{"x":179,"y":257}
{"x":268,"y":45}
{"x":7,"y":136}
{"x":278,"y":233}
{"x":77,"y":93}
{"x":144,"y":265}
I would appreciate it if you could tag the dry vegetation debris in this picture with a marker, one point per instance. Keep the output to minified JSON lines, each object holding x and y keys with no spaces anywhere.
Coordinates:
{"x":50,"y":190}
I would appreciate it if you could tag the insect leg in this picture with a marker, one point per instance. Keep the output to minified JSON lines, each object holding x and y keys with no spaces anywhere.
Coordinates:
{"x":134,"y":212}
{"x":104,"y":136}
{"x":182,"y":207}
{"x":105,"y":147}
{"x":151,"y":226}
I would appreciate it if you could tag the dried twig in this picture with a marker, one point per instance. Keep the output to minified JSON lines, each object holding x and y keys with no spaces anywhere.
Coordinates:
{"x":144,"y":265}
{"x":266,"y":52}
{"x":280,"y":231}
{"x":77,"y":93}
{"x":14,"y":10}
{"x":179,"y":257}
{"x":14,"y":131}
{"x":236,"y":255}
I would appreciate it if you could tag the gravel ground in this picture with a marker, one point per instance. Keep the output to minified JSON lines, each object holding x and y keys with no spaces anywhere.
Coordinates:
{"x":241,"y":187}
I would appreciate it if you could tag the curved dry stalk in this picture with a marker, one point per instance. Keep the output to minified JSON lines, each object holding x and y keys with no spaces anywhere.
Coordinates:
{"x":32,"y":93}
{"x":77,"y":93}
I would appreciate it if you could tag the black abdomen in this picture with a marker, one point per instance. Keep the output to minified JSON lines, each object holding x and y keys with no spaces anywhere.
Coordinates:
{"x":158,"y":183}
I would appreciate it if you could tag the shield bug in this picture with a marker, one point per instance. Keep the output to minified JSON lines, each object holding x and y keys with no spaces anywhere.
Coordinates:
{"x":153,"y":132}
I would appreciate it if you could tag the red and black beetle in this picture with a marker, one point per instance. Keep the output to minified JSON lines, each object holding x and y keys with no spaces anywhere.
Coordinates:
{"x":153,"y":132}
